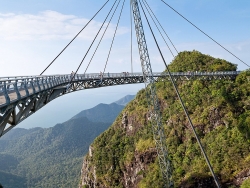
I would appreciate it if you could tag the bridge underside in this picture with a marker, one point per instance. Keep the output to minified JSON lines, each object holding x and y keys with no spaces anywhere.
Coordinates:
{"x":18,"y":104}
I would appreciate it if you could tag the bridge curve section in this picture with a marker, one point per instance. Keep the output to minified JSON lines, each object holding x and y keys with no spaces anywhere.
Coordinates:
{"x":21,"y":96}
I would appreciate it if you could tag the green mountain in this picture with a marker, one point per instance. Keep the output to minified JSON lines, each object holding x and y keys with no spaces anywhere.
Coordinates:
{"x":18,"y":132}
{"x":52,"y":157}
{"x":102,"y":112}
{"x":125,"y":154}
{"x":125,"y":100}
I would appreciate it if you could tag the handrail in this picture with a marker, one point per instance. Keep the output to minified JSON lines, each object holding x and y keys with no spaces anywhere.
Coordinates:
{"x":106,"y":75}
{"x":25,"y":86}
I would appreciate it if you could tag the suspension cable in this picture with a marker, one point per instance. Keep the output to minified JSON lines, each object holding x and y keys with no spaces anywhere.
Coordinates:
{"x":204,"y":33}
{"x":102,"y":37}
{"x":131,"y":42}
{"x":158,"y":29}
{"x":92,"y":42}
{"x":74,"y":38}
{"x":161,"y":26}
{"x":182,"y":104}
{"x":113,"y":37}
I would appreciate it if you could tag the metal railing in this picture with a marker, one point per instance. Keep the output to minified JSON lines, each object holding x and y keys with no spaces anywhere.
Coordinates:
{"x":14,"y":88}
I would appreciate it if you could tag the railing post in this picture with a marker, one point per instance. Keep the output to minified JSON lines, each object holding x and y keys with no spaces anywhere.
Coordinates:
{"x":42,"y":81}
{"x":46,"y":81}
{"x":57,"y":79}
{"x":54,"y":80}
{"x":5,"y":92}
{"x":65,"y":78}
{"x":38,"y":85}
{"x":51,"y":81}
{"x":60,"y":79}
{"x":25,"y":87}
{"x":16,"y":90}
{"x":1,"y":86}
{"x":32,"y":85}
{"x":8,"y":86}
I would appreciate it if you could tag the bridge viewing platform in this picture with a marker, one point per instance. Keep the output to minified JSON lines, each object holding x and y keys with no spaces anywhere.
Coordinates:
{"x":21,"y":96}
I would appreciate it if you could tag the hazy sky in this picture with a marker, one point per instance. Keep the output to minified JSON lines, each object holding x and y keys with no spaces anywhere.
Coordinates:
{"x":33,"y":32}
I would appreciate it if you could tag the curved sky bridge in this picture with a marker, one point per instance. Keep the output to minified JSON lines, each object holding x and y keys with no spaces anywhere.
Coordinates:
{"x":21,"y":96}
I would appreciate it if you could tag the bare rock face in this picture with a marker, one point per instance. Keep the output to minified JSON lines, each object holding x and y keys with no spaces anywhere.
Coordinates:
{"x":215,"y":118}
{"x":133,"y":171}
{"x":130,"y":125}
{"x":132,"y":174}
{"x":125,"y":120}
{"x":88,"y":172}
{"x":242,"y":176}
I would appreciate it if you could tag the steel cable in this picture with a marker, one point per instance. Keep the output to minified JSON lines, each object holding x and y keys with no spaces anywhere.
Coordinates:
{"x":158,"y":29}
{"x":205,"y":33}
{"x":92,"y":42}
{"x":182,"y":104}
{"x":161,"y":26}
{"x":74,"y":38}
{"x":113,"y":38}
{"x":102,"y":37}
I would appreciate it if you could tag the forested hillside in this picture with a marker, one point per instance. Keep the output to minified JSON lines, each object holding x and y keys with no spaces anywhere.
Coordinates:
{"x":52,"y":157}
{"x":125,"y":154}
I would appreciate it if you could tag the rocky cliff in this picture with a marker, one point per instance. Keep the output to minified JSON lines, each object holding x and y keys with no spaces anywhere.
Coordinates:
{"x":125,"y":154}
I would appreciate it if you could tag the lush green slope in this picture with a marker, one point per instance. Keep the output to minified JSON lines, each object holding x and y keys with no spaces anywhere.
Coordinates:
{"x":220,"y":111}
{"x":50,"y":157}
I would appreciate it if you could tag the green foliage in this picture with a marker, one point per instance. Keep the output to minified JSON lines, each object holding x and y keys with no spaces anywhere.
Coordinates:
{"x":48,"y":157}
{"x":144,"y":145}
{"x":152,"y":177}
{"x":196,"y":61}
{"x":245,"y":184}
{"x":244,"y":123}
{"x":219,"y":110}
{"x":1,"y":185}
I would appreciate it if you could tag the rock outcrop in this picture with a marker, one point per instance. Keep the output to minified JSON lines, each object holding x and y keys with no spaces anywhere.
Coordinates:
{"x":125,"y":154}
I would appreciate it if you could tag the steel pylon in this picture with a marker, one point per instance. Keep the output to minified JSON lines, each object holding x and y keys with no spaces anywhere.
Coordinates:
{"x":152,"y":99}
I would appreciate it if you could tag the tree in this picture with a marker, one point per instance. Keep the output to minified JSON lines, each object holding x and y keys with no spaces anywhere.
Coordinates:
{"x":1,"y":185}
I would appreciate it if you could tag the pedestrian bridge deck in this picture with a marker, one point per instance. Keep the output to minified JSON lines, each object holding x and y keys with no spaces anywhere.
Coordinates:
{"x":21,"y":96}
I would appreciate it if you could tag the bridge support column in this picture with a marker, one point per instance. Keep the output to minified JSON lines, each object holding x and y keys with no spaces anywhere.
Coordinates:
{"x":153,"y":103}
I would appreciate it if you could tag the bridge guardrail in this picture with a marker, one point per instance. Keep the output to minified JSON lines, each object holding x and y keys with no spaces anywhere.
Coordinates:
{"x":17,"y":87}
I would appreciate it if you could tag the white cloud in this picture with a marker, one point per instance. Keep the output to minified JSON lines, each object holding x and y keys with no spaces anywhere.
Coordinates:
{"x":49,"y":25}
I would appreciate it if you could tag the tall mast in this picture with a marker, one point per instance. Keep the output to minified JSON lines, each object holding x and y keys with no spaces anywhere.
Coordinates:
{"x":153,"y":102}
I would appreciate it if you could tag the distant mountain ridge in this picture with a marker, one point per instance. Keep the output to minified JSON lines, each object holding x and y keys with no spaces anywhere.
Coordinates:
{"x":101,"y":113}
{"x":125,"y":100}
{"x":52,"y":157}
{"x":19,"y":132}
{"x":57,"y":151}
{"x":105,"y":112}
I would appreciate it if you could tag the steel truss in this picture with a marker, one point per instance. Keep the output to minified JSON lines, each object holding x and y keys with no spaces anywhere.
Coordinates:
{"x":153,"y":103}
{"x":20,"y":97}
